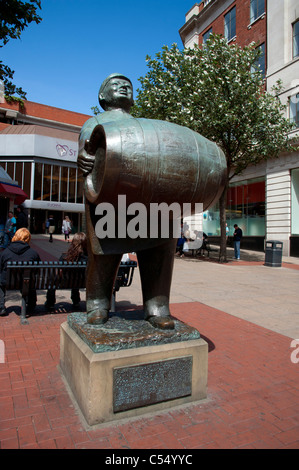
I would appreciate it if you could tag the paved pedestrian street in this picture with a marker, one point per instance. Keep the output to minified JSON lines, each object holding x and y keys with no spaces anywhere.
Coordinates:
{"x":247,"y":312}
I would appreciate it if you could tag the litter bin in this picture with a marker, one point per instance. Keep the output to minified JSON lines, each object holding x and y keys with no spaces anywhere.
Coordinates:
{"x":273,"y":255}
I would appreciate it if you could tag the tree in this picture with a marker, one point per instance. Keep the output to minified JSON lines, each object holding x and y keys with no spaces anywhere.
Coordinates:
{"x":16,"y":15}
{"x":219,"y":92}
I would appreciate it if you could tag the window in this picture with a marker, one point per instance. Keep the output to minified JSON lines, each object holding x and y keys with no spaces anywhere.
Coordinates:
{"x":19,"y":172}
{"x":294,"y":109}
{"x":55,"y":183}
{"x":257,"y":8}
{"x":295,"y":201}
{"x":245,"y":206}
{"x":10,"y":169}
{"x":260,"y":64}
{"x":80,"y":188}
{"x":47,"y":177}
{"x":230,"y":24}
{"x":38,"y":177}
{"x":72,"y":184}
{"x":64,"y":184}
{"x":206,"y":35}
{"x":296,"y":39}
{"x":27,"y":178}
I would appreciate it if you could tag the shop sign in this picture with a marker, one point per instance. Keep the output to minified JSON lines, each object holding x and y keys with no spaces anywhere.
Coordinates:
{"x":65,"y":151}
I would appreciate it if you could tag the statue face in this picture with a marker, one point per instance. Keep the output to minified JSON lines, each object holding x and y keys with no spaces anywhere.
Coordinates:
{"x":118,"y":93}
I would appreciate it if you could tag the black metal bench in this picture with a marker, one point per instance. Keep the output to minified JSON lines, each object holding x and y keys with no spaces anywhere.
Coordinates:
{"x":58,"y":275}
{"x":199,"y":251}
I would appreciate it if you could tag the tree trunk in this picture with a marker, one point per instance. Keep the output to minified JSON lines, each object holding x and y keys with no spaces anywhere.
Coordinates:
{"x":222,"y":211}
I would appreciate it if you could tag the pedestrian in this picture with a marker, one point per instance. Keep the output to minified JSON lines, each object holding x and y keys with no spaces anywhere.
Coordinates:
{"x":77,"y":252}
{"x":66,"y":228}
{"x":226,"y":232}
{"x":47,"y":226}
{"x":9,"y":229}
{"x":180,"y":242}
{"x":51,"y":228}
{"x":186,"y":231}
{"x":22,"y":219}
{"x":18,"y":250}
{"x":237,"y":240}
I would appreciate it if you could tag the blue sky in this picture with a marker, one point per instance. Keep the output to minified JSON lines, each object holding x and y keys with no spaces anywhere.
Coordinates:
{"x":63,"y":60}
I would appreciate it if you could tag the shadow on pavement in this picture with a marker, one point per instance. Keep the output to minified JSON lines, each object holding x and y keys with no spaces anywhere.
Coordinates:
{"x":250,"y":256}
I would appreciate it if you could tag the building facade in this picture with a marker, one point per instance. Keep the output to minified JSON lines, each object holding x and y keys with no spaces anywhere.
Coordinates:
{"x":282,"y":176}
{"x":38,"y":150}
{"x":263,"y":200}
{"x":243,"y":21}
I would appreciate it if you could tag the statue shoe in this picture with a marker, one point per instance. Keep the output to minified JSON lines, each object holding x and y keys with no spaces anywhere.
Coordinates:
{"x":164,"y":323}
{"x":97,"y":317}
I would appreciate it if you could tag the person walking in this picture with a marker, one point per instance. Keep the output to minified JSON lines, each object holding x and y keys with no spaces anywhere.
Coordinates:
{"x":51,"y":228}
{"x":9,"y":229}
{"x":66,"y":228}
{"x":47,"y":226}
{"x":18,"y":250}
{"x":237,"y":240}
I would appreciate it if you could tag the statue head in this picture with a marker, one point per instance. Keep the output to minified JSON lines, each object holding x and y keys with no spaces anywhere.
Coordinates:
{"x":116,"y":92}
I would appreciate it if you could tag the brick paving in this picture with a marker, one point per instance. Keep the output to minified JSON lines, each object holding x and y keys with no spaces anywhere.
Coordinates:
{"x":252,"y":403}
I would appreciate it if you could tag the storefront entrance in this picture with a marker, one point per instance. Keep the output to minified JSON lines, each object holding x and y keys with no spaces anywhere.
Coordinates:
{"x":38,"y":218}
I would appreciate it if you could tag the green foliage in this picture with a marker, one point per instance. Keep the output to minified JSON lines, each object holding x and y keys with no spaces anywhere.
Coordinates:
{"x":217,"y":91}
{"x":95,"y":110}
{"x":6,"y":74}
{"x":16,"y":15}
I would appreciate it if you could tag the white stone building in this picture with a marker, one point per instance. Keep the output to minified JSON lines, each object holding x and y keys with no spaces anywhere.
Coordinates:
{"x":282,"y":175}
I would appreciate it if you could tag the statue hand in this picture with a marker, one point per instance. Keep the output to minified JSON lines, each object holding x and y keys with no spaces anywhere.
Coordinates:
{"x":85,"y":161}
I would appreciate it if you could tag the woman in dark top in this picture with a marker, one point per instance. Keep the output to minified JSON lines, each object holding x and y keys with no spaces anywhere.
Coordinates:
{"x":18,"y":250}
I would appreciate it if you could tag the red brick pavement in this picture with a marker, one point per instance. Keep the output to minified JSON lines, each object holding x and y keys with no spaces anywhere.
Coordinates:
{"x":253,"y":392}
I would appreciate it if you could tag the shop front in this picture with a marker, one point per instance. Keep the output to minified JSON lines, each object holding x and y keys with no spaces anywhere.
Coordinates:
{"x":245,"y":206}
{"x":46,"y":170}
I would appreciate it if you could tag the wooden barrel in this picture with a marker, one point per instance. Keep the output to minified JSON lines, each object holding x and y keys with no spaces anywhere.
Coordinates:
{"x":150,"y":160}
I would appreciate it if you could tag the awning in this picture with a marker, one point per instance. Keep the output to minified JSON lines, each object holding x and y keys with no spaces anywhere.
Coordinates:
{"x":12,"y":190}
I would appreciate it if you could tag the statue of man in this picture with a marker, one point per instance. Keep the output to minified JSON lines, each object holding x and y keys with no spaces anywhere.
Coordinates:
{"x":155,"y":262}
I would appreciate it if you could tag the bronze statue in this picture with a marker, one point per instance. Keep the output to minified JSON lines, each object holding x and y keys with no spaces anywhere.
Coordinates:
{"x":148,"y":161}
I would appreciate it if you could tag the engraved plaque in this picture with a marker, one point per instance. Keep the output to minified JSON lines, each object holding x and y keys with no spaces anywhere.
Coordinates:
{"x":154,"y":382}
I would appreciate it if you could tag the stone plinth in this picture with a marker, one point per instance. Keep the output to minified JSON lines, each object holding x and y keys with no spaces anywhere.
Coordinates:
{"x":127,"y":368}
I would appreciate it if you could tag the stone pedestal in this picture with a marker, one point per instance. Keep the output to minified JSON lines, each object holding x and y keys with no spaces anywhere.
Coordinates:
{"x":127,"y":368}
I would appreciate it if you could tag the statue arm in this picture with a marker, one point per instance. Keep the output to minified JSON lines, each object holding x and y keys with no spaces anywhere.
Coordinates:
{"x":85,"y":161}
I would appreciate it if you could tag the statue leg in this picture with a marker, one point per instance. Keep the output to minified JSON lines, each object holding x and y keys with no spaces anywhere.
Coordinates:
{"x":100,"y":278}
{"x":155,"y":266}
